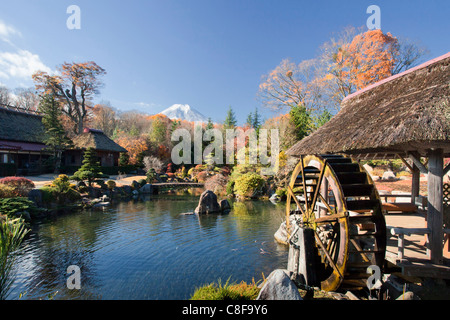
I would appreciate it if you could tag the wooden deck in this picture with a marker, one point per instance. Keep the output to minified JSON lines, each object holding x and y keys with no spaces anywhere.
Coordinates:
{"x":416,"y":262}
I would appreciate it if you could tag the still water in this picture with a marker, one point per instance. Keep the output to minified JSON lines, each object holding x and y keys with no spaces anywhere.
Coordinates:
{"x":148,"y":249}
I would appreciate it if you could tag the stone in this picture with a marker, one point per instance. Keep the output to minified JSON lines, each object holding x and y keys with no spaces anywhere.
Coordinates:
{"x":224,"y":205}
{"x":146,"y":189}
{"x":207,"y":203}
{"x":274,"y":198}
{"x":35,"y":195}
{"x":127,"y":189}
{"x":279,"y":286}
{"x":388,"y":175}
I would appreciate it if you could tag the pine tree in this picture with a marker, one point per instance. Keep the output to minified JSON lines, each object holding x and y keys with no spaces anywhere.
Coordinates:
{"x":230,"y":121}
{"x":90,"y":170}
{"x":301,"y":120}
{"x":55,"y":136}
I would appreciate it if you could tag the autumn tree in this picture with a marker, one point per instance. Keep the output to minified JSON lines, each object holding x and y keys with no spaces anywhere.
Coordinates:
{"x":356,"y":59}
{"x":75,"y":84}
{"x":26,"y":98}
{"x":5,"y":95}
{"x":289,"y":85}
{"x":104,"y":118}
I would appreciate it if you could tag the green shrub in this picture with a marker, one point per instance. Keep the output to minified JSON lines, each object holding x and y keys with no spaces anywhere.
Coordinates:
{"x":235,"y":291}
{"x":13,"y":206}
{"x":230,"y":187}
{"x":61,"y":183}
{"x":248,"y":184}
{"x":142,"y":182}
{"x":111,"y":184}
{"x":151,"y":175}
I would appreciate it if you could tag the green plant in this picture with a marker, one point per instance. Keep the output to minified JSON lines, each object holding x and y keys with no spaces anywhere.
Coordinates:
{"x":142,"y":182}
{"x":12,"y":233}
{"x":61,"y":183}
{"x":230,"y":187}
{"x":90,"y":170}
{"x":151,"y":175}
{"x":111,"y":184}
{"x":235,"y":291}
{"x":248,"y":184}
{"x":13,"y":206}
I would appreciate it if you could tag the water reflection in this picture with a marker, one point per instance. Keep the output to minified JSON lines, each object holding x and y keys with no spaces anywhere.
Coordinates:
{"x":148,"y":249}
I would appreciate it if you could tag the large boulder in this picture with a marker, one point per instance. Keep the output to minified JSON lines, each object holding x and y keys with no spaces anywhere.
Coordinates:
{"x":35,"y":195}
{"x":279,"y":287}
{"x":207,"y":203}
{"x":146,"y":189}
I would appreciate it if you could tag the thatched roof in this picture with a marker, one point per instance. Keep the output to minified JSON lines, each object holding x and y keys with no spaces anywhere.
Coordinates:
{"x":96,"y":139}
{"x":20,"y":126}
{"x":403,"y":113}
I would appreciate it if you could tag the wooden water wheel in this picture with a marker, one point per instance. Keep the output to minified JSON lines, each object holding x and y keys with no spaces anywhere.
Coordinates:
{"x":337,"y":199}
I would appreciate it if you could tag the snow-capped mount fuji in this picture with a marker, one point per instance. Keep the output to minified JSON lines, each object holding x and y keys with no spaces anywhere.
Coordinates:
{"x":184,"y":112}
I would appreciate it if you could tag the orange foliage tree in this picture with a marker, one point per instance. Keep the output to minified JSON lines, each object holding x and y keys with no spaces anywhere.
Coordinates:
{"x":134,"y":145}
{"x":73,"y":87}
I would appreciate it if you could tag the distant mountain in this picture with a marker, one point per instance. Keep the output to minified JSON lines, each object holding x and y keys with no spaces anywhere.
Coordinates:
{"x":184,"y":112}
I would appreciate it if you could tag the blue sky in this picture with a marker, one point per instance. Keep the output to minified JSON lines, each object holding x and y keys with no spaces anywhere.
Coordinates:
{"x":209,"y":54}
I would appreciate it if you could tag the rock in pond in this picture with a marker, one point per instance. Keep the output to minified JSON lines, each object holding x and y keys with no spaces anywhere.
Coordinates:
{"x":207,"y":203}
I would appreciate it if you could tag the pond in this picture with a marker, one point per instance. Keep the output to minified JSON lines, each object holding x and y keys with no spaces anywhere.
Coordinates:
{"x":148,"y":249}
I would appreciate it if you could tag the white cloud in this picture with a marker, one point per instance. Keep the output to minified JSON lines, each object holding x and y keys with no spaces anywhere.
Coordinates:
{"x":20,"y":64}
{"x":7,"y":31}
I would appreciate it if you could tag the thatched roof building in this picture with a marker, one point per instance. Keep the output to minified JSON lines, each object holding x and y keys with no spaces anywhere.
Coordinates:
{"x":20,"y":126}
{"x":93,"y":138}
{"x":403,"y":113}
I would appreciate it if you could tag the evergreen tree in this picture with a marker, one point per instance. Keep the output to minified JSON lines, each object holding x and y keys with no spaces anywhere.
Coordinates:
{"x":90,"y":170}
{"x":230,"y":121}
{"x":210,"y":124}
{"x":55,"y":136}
{"x":301,"y":120}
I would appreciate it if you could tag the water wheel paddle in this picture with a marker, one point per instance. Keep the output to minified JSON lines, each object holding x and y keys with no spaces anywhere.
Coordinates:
{"x":337,"y":199}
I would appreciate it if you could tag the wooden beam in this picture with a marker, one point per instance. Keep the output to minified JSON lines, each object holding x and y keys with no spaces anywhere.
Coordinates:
{"x":405,"y":162}
{"x":446,"y":169}
{"x":415,"y":157}
{"x":436,"y":204}
{"x":415,"y":183}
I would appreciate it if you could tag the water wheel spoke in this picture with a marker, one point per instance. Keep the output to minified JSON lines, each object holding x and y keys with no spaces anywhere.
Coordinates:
{"x":305,"y":191}
{"x":319,"y":182}
{"x":327,"y":254}
{"x":324,"y":202}
{"x":295,"y":199}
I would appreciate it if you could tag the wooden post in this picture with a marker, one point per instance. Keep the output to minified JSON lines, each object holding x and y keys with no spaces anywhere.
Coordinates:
{"x":307,"y":257}
{"x":436,"y":203}
{"x":415,"y":187}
